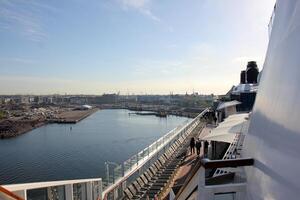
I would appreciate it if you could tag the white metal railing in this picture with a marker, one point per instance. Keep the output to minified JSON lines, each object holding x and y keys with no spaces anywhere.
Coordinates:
{"x":230,"y":153}
{"x":6,"y":194}
{"x":120,"y":173}
{"x":234,"y":150}
{"x":89,"y":189}
{"x":196,"y":186}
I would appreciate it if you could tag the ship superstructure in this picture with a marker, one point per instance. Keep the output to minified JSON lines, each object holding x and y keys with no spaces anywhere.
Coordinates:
{"x":249,"y":155}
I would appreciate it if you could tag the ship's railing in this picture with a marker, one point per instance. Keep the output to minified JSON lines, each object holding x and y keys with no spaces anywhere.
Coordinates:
{"x":89,"y":189}
{"x":230,"y":153}
{"x":8,"y":195}
{"x":134,"y":161}
{"x":120,"y":175}
{"x":225,"y":187}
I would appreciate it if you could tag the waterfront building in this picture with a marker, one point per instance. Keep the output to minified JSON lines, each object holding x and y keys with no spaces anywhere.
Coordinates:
{"x":24,"y":99}
{"x":78,"y":100}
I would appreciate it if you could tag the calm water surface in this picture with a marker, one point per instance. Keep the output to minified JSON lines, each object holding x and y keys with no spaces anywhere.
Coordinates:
{"x":56,"y":152}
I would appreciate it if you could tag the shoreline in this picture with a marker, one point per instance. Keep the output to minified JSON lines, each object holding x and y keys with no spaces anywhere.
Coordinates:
{"x":13,"y":128}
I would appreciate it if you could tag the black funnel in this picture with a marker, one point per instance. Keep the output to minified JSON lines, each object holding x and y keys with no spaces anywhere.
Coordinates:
{"x":251,"y":72}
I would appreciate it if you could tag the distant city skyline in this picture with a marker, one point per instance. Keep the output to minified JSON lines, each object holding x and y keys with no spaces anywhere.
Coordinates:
{"x":114,"y":93}
{"x":129,"y":46}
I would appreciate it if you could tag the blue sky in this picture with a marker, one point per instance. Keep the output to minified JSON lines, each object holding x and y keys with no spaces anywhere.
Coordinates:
{"x":131,"y":46}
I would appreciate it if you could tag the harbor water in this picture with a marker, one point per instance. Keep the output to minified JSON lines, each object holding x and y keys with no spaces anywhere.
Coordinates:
{"x":74,"y":151}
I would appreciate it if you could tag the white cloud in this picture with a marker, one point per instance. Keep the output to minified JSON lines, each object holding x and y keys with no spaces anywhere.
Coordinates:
{"x":142,"y":6}
{"x":138,"y":4}
{"x":23,"y":17}
{"x":149,"y":14}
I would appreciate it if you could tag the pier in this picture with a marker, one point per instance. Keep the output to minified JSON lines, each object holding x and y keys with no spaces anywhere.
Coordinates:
{"x":157,"y":114}
{"x":73,"y":116}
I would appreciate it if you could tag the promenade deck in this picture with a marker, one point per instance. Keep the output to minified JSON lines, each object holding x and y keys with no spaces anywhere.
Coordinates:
{"x":186,"y":166}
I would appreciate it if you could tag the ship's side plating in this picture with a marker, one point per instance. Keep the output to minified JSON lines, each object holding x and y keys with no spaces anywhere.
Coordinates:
{"x":273,"y":139}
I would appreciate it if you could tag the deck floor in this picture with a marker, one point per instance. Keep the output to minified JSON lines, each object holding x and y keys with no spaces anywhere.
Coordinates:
{"x":187,"y":165}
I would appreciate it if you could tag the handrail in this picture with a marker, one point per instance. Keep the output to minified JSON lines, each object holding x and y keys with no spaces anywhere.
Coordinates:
{"x":189,"y":178}
{"x":239,"y":162}
{"x":10,"y":194}
{"x":208,"y":164}
{"x":173,"y":133}
{"x":126,"y":176}
{"x":191,"y":193}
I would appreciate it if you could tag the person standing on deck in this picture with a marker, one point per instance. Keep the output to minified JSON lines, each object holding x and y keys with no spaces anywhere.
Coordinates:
{"x":206,"y":148}
{"x":198,"y":146}
{"x":215,"y":120}
{"x":192,"y":145}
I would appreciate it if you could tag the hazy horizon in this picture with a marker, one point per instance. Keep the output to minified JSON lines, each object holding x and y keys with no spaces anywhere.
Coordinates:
{"x":105,"y":93}
{"x":131,"y":46}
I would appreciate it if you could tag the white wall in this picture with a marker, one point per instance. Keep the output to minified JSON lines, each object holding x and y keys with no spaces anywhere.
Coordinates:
{"x":274,"y":133}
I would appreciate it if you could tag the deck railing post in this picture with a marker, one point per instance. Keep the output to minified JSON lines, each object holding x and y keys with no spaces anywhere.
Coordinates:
{"x":107,"y":172}
{"x":69,"y":191}
{"x":113,"y":175}
{"x":123,"y":169}
{"x":89,"y":191}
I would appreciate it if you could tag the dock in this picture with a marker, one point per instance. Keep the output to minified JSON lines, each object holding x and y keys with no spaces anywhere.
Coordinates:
{"x":73,"y":116}
{"x":157,"y":114}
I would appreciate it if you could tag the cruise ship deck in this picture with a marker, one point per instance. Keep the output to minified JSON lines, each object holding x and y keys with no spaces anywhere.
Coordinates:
{"x":251,"y":155}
